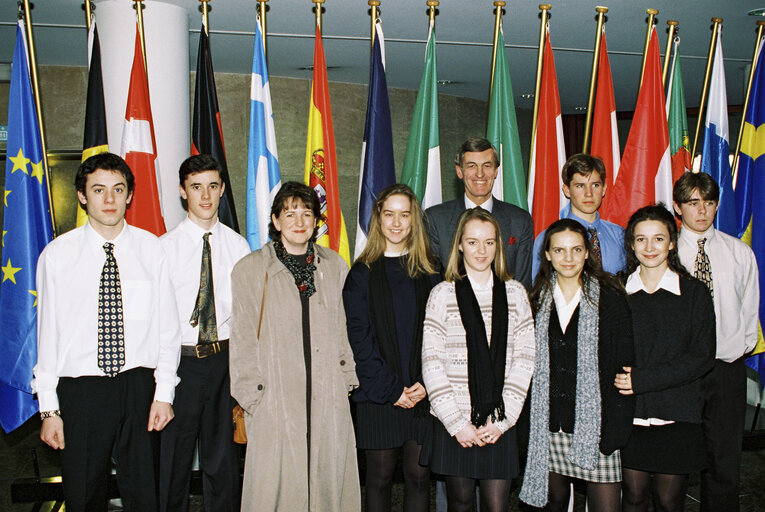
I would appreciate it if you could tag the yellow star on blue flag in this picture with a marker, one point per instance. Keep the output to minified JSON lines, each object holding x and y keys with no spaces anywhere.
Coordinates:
{"x":27,"y":228}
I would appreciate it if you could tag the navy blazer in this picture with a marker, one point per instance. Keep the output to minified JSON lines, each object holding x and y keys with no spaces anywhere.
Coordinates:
{"x":514,"y":223}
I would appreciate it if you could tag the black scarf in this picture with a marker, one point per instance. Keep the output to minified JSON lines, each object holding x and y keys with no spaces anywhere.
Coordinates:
{"x":486,"y":364}
{"x":301,"y":267}
{"x":384,"y":319}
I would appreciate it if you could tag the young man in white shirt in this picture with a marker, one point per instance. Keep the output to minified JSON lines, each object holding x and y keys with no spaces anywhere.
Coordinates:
{"x":202,"y":252}
{"x":107,"y":345}
{"x":728,"y":267}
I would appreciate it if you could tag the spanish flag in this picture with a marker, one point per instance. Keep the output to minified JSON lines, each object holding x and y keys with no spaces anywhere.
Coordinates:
{"x":321,"y":158}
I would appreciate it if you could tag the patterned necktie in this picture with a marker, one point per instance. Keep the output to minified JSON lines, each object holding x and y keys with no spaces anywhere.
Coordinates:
{"x":702,"y":267}
{"x":595,"y":246}
{"x":111,"y":335}
{"x":204,"y":310}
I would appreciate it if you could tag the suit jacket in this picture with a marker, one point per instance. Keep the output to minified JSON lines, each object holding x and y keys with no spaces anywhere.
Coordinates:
{"x":514,"y":223}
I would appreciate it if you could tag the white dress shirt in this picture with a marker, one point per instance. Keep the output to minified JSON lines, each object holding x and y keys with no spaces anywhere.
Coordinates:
{"x":670,"y":282}
{"x":183,"y":247}
{"x":736,"y":288}
{"x":565,"y":309}
{"x":486,"y":205}
{"x":68,"y":277}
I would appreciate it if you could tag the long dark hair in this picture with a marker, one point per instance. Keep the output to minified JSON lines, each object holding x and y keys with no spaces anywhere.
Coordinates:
{"x":657,"y":212}
{"x":591,"y":270}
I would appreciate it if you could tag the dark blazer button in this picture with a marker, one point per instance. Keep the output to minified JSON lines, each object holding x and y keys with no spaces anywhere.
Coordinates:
{"x":342,"y":362}
{"x":260,"y":387}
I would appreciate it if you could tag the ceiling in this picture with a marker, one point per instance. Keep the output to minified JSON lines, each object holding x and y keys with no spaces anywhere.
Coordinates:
{"x":464,"y":30}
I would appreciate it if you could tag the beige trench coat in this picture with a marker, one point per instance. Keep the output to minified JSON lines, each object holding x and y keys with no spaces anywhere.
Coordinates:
{"x":268,"y":380}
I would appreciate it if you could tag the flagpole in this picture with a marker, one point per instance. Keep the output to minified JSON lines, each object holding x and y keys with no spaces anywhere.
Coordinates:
{"x":651,"y":13}
{"x":262,"y":6}
{"x":205,"y":8}
{"x":88,"y":13}
{"x":38,"y":104}
{"x":699,"y":121}
{"x":139,"y":12}
{"x":498,"y":12}
{"x":432,"y":4}
{"x":317,"y":9}
{"x":670,"y":39}
{"x":543,"y":16}
{"x":373,"y":14}
{"x":595,"y":59}
{"x":760,"y":26}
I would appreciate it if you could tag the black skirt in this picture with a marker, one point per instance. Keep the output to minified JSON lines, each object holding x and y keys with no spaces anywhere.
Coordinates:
{"x":677,"y":448}
{"x":385,"y":426}
{"x":498,"y":461}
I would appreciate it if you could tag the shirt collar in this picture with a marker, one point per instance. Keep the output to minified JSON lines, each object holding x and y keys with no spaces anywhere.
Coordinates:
{"x":481,"y":286}
{"x":560,"y":299}
{"x":96,"y":242}
{"x":571,"y":215}
{"x":692,"y":237}
{"x":196,"y":232}
{"x":488,"y":205}
{"x":670,"y":282}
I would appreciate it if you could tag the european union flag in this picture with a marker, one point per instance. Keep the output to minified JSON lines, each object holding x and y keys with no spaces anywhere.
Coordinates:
{"x":27,"y":228}
{"x":750,"y":194}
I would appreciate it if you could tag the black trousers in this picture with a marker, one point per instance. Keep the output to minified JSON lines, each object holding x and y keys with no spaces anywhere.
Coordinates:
{"x":107,"y":417}
{"x":202,"y":407}
{"x":723,"y":424}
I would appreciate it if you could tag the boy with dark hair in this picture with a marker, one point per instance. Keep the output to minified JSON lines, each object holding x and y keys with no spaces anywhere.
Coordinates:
{"x":107,"y":345}
{"x":584,"y":184}
{"x":202,"y":252}
{"x":728,"y":267}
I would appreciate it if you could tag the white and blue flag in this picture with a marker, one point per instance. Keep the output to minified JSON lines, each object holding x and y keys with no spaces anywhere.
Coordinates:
{"x":716,"y":151}
{"x":377,"y":167}
{"x":263,"y":178}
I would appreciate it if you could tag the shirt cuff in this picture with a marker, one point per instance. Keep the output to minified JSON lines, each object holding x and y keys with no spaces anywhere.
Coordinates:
{"x":164,"y":393}
{"x":48,"y":400}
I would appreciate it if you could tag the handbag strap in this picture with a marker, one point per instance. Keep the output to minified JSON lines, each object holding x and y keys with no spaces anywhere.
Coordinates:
{"x":262,"y":304}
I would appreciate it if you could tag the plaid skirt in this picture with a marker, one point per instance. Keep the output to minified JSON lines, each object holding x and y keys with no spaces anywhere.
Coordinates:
{"x":608,"y":470}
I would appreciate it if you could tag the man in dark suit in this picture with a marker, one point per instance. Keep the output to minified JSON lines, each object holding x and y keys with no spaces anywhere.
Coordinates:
{"x":477,"y":164}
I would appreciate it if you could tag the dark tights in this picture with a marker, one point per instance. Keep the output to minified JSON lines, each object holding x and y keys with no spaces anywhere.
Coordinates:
{"x":600,"y":497}
{"x":460,"y":494}
{"x":381,"y":466}
{"x":668,"y":491}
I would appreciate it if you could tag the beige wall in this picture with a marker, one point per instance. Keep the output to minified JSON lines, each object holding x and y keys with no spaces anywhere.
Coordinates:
{"x":63,"y":93}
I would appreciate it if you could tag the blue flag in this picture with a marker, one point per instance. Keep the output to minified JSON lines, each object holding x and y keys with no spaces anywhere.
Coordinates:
{"x":750,"y":192}
{"x":27,"y":228}
{"x":377,"y":167}
{"x":716,"y":152}
{"x":263,"y":178}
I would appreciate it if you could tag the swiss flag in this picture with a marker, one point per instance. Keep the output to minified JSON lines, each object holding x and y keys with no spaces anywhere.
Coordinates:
{"x":605,"y":137}
{"x":546,"y":198}
{"x":645,"y":174}
{"x":139,"y":149}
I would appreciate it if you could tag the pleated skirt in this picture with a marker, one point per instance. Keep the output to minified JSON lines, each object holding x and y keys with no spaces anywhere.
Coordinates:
{"x":677,"y":448}
{"x":608,"y":469}
{"x":385,"y":426}
{"x":498,"y":461}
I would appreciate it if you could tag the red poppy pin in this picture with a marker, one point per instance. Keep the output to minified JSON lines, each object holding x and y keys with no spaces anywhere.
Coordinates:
{"x":512,"y":240}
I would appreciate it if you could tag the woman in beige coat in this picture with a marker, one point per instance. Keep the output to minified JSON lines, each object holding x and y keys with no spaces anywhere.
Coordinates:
{"x":292,"y":367}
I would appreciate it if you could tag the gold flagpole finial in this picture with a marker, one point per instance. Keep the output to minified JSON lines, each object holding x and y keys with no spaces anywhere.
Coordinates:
{"x":498,"y":12}
{"x":671,"y":29}
{"x":89,"y":7}
{"x":317,"y":10}
{"x":651,"y":14}
{"x":38,"y":104}
{"x":139,"y":7}
{"x":262,"y":8}
{"x":373,"y":14}
{"x":543,"y":17}
{"x":712,"y":41}
{"x":760,"y":27}
{"x":593,"y":76}
{"x":432,"y":4}
{"x":205,"y":9}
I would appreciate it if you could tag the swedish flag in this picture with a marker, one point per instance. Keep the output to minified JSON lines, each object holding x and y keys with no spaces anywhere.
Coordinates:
{"x":27,"y":228}
{"x":750,"y":192}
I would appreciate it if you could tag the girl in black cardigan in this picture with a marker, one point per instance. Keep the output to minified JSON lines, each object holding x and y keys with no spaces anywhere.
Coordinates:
{"x":384,"y":296}
{"x":674,"y":328}
{"x":584,"y":337}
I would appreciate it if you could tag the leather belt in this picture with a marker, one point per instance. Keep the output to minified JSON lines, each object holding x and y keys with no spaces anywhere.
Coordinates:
{"x":204,"y":350}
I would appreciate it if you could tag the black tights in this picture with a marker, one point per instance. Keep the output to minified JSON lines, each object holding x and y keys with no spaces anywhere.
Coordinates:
{"x":460,"y":494}
{"x":381,"y":466}
{"x":668,"y":491}
{"x":600,"y":497}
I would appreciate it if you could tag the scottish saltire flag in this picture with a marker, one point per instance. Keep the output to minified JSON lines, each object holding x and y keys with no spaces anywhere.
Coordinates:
{"x":263,"y":178}
{"x":95,"y":140}
{"x":502,"y":131}
{"x":716,"y":152}
{"x":27,"y":228}
{"x":750,"y":192}
{"x":422,"y":162}
{"x":377,"y":167}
